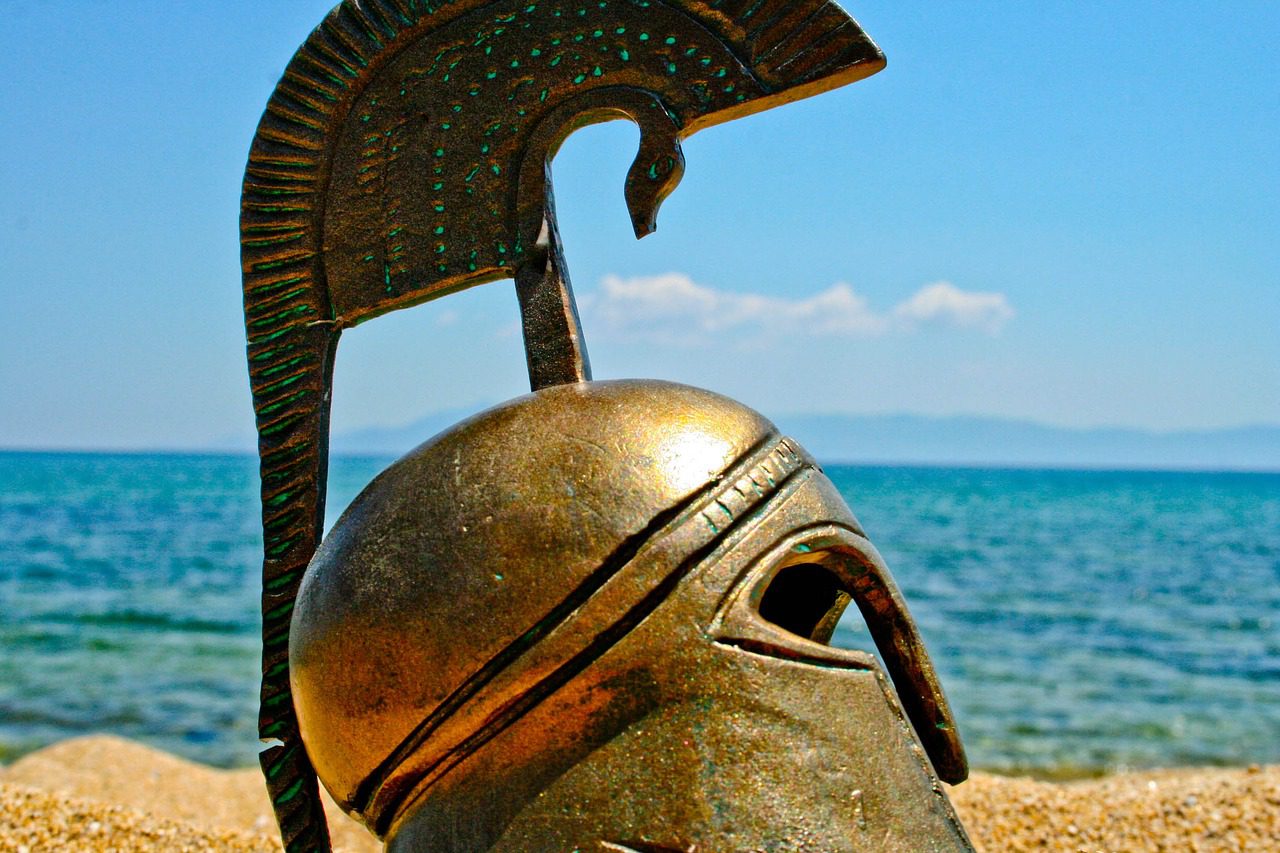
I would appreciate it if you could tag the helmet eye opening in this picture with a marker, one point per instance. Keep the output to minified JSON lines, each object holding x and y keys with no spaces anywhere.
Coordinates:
{"x":788,"y":601}
{"x":806,"y":599}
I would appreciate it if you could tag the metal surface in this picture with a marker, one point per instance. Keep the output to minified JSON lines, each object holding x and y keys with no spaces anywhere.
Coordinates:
{"x":599,"y":614}
{"x":405,"y":155}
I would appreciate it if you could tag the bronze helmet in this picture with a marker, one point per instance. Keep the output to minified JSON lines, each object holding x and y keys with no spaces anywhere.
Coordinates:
{"x":598,"y":614}
{"x":594,"y":617}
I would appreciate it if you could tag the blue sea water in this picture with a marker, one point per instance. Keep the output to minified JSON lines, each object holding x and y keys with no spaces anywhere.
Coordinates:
{"x":1080,"y":620}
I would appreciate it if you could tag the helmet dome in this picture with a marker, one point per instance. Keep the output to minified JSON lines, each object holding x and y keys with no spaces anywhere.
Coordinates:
{"x":459,"y":557}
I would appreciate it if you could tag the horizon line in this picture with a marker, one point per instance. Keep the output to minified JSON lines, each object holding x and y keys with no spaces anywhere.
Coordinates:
{"x":1099,"y":468}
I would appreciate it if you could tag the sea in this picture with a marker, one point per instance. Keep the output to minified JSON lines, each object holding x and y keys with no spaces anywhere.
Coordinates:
{"x":1082,"y":621}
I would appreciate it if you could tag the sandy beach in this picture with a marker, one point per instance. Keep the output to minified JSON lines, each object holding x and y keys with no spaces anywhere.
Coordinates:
{"x":103,"y":793}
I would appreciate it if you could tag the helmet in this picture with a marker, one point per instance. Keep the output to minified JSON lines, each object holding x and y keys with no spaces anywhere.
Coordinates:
{"x":598,"y":615}
{"x":595,"y":616}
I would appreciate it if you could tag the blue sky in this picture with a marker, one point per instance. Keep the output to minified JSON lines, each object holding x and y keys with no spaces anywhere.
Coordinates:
{"x":1065,"y":212}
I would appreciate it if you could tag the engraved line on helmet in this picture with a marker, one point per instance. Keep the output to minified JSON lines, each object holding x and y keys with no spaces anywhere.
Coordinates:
{"x":383,"y":795}
{"x":621,"y":556}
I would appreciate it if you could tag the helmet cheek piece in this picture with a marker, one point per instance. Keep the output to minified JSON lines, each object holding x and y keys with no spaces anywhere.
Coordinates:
{"x":789,"y":601}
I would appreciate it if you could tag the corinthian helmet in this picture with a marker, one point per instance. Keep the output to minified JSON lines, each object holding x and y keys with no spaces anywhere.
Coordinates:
{"x":595,"y":617}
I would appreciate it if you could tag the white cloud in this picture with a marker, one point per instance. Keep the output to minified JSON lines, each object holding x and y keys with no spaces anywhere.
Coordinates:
{"x":943,"y":302}
{"x":673,"y":308}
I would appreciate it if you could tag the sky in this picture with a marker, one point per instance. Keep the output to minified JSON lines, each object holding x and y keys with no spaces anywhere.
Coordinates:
{"x":1065,"y":212}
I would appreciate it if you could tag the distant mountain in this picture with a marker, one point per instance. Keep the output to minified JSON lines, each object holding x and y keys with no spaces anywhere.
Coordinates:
{"x":395,"y":441}
{"x":993,"y":441}
{"x":917,"y":439}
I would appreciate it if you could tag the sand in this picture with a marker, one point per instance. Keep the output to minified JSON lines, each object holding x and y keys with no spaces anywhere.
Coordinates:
{"x":221,"y":808}
{"x":102,"y":793}
{"x":1165,"y":810}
